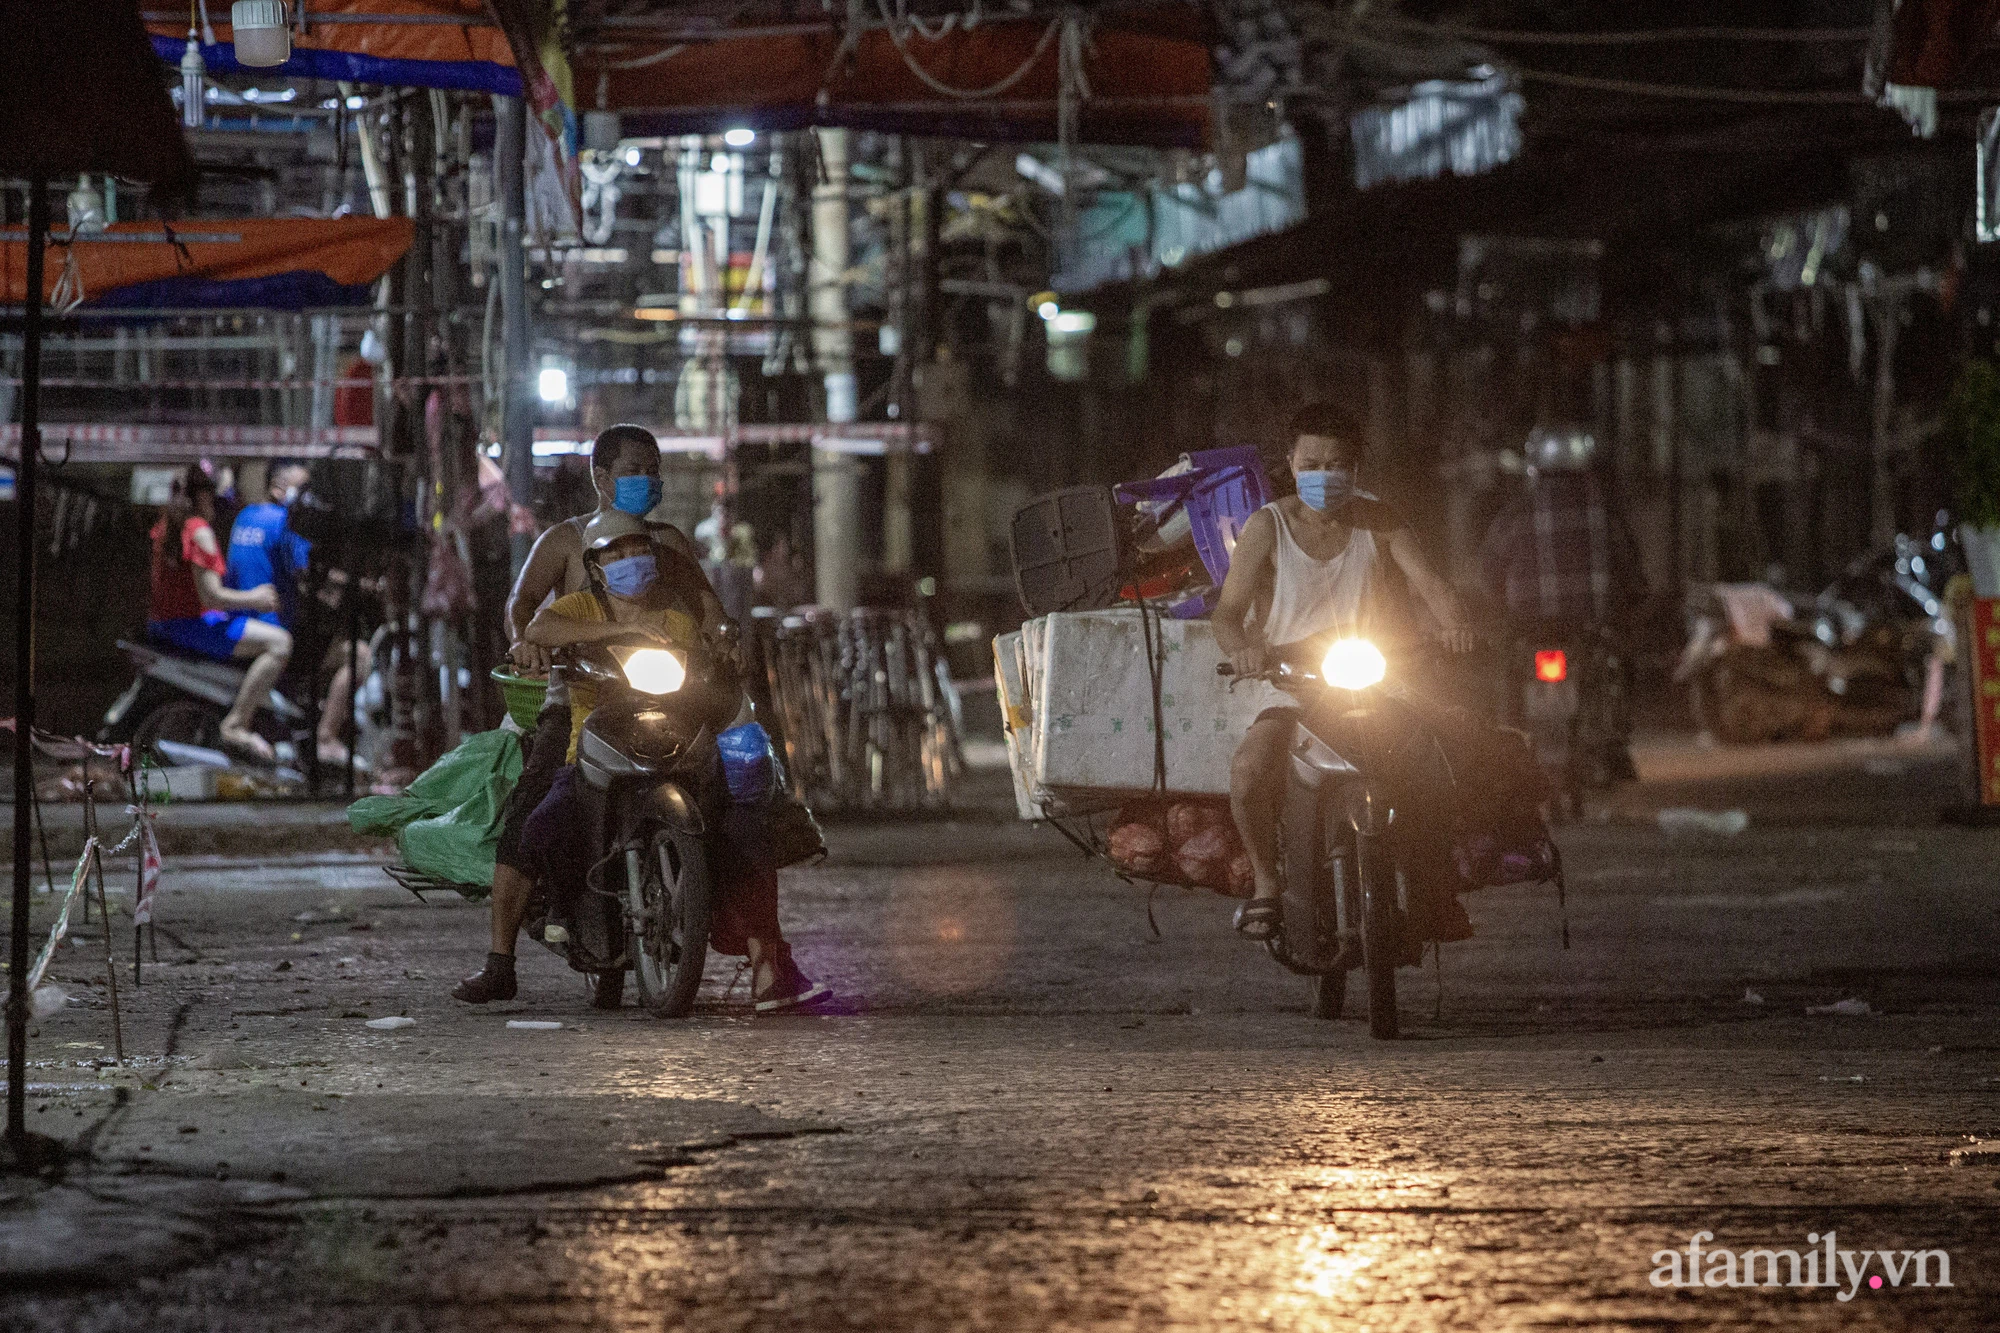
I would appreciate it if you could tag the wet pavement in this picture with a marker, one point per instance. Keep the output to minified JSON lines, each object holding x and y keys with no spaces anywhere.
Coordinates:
{"x":1031,"y":1111}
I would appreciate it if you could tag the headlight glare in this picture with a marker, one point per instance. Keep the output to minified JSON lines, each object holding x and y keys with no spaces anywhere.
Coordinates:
{"x":1353,"y":664}
{"x":654,"y":670}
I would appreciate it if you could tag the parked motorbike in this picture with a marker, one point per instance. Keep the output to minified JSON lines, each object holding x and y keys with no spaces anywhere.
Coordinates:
{"x":176,"y":703}
{"x":653,"y":787}
{"x":177,"y":699}
{"x":1865,"y":654}
{"x":1369,"y":777}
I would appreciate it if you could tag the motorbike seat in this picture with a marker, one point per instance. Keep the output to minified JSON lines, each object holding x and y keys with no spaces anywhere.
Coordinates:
{"x":203,"y":677}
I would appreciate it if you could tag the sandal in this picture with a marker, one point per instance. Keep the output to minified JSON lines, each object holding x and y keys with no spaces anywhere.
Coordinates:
{"x":1259,"y":919}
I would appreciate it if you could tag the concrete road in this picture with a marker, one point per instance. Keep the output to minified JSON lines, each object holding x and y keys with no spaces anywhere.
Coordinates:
{"x":1030,"y":1111}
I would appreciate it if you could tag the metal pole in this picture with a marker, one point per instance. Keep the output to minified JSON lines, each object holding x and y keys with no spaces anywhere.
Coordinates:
{"x":836,"y":476}
{"x":517,"y":422}
{"x":24,"y":664}
{"x":896,"y":479}
{"x":353,"y":674}
{"x":96,"y":847}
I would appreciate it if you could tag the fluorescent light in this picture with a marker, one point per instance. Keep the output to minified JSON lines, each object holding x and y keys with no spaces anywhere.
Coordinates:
{"x":739,"y":138}
{"x":553,"y":384}
{"x":1073,"y":321}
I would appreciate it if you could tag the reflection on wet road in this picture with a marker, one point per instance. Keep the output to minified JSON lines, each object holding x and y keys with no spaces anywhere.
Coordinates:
{"x":1030,"y":1112}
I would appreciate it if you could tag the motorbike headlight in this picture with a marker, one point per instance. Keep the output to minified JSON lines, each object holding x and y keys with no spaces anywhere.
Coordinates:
{"x":653,"y":670}
{"x":1353,"y":664}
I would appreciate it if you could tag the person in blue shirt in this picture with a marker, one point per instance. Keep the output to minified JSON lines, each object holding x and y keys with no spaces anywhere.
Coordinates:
{"x":264,"y":549}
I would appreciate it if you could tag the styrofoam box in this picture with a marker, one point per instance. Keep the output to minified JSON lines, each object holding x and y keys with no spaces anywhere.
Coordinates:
{"x":186,"y":782}
{"x":1033,"y":636}
{"x":1015,"y":715}
{"x":1092,"y":718}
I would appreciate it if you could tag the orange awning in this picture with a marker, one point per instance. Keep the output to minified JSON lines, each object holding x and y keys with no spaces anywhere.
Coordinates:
{"x":285,"y":262}
{"x":1148,"y":75}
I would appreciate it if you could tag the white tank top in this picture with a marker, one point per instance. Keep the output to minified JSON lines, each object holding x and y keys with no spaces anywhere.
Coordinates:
{"x":1309,"y":596}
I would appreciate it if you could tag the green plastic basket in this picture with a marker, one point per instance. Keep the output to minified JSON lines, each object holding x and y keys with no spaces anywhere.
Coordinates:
{"x":524,"y":696}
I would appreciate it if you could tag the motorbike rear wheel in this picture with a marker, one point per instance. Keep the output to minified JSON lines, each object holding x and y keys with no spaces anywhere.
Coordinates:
{"x":670,"y":906}
{"x":1380,"y":931}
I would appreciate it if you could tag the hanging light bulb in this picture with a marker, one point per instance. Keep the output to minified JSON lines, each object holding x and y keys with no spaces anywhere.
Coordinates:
{"x":194,"y":73}
{"x":261,"y":35}
{"x":86,"y":208}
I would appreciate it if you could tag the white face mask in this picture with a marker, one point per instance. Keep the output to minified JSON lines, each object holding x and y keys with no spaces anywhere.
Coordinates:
{"x":291,"y":494}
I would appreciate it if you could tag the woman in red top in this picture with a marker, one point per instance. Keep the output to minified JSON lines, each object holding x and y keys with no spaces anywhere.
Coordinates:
{"x":191,"y":610}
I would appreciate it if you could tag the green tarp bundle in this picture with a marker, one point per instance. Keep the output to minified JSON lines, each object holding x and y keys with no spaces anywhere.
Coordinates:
{"x":447,"y":822}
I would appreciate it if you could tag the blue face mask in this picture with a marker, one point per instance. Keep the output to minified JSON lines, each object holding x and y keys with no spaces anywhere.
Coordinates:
{"x":631,"y":576}
{"x":1320,"y":490}
{"x":635,"y":495}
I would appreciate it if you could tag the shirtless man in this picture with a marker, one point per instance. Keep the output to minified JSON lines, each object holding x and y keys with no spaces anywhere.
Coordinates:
{"x":625,"y":468}
{"x":1304,"y":571}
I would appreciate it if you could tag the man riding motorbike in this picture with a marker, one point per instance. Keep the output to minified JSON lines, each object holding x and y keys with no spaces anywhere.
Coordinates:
{"x":1561,"y":559}
{"x":625,"y":470}
{"x":263,"y":549}
{"x":191,"y":609}
{"x":637,"y":589}
{"x":1307,"y":567}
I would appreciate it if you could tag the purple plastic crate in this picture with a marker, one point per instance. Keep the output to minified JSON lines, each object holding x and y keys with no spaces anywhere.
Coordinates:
{"x":1220,"y":491}
{"x":1218,"y":507}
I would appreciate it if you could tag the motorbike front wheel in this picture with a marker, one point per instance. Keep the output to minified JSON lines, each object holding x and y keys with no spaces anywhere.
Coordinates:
{"x":1380,"y":933}
{"x":670,"y":902}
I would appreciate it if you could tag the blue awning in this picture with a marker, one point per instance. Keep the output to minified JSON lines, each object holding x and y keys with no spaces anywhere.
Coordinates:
{"x":465,"y":76}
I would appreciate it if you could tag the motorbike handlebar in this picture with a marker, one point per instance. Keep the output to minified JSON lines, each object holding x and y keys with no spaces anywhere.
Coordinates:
{"x":1277,"y":672}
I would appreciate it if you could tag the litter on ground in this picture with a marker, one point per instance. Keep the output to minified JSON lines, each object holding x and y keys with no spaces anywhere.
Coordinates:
{"x":1680,"y":820}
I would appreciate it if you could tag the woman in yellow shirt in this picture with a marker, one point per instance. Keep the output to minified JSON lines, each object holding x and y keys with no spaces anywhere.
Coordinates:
{"x":632,"y":595}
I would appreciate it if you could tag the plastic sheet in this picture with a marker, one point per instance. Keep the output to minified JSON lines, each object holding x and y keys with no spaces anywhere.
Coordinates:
{"x":447,"y":822}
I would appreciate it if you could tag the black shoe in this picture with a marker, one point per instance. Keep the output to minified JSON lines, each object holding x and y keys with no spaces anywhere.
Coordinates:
{"x":607,"y":990}
{"x":789,"y":988}
{"x":495,"y":981}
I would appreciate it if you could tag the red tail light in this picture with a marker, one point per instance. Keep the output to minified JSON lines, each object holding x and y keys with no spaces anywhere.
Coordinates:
{"x":1552,"y":666}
